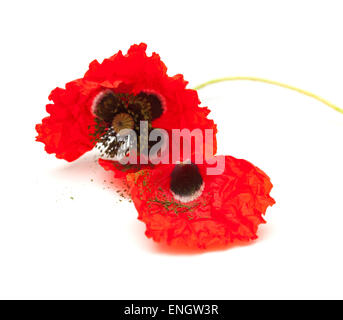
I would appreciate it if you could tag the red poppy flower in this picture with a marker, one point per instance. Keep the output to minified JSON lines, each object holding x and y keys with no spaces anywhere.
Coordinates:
{"x":184,"y":205}
{"x":117,"y":94}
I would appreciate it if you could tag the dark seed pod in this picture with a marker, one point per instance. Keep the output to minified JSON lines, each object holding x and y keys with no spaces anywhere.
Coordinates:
{"x":185,"y":180}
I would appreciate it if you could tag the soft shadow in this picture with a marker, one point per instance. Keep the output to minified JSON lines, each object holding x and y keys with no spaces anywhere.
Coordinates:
{"x":180,"y":250}
{"x":265,"y":232}
{"x":159,"y":248}
{"x":87,"y":167}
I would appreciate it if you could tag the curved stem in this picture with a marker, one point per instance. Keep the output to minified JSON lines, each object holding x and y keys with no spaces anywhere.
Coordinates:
{"x":283,"y":85}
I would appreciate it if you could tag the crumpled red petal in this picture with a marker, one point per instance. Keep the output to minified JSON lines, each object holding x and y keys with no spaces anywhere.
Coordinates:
{"x":230,"y":208}
{"x":66,"y":131}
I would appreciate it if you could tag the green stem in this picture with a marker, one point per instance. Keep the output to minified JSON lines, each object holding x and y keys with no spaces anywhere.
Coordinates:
{"x":276,"y":83}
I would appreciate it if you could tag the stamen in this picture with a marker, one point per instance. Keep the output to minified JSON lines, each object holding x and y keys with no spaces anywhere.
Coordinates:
{"x":110,"y":146}
{"x":106,"y":105}
{"x":186,"y":182}
{"x":115,"y":112}
{"x":156,"y":103}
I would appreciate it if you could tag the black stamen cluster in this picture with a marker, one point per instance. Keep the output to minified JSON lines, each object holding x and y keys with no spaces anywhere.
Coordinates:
{"x":186,"y":179}
{"x":142,"y":107}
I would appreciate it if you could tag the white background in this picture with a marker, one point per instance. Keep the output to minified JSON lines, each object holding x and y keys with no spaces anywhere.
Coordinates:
{"x":93,"y":247}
